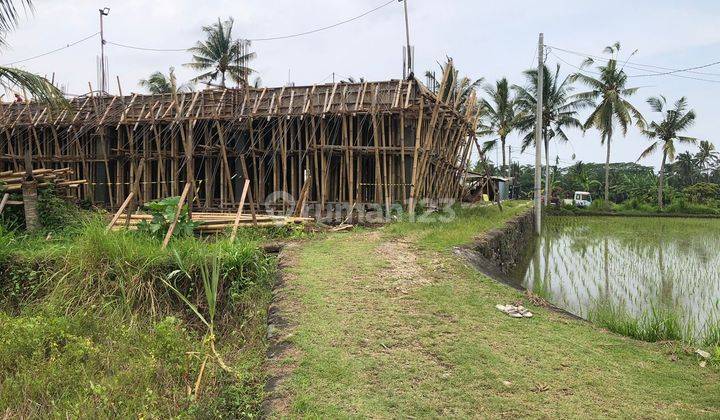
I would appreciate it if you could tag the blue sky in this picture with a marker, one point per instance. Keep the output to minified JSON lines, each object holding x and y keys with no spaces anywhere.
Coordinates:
{"x":486,"y":39}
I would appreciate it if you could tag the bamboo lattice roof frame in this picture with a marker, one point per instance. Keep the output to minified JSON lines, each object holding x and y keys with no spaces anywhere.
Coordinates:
{"x":230,"y":104}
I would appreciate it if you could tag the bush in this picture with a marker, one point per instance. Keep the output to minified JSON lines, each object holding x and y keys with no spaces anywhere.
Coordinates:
{"x":599,"y":204}
{"x":702,"y":192}
{"x":163,"y":213}
{"x":634,"y":204}
{"x":681,"y":205}
{"x":54,"y":212}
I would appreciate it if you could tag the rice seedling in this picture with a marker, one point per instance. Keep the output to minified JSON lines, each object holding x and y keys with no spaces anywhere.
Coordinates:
{"x":656,"y":277}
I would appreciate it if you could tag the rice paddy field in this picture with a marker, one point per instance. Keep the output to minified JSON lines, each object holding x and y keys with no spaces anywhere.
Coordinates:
{"x":649,"y":278}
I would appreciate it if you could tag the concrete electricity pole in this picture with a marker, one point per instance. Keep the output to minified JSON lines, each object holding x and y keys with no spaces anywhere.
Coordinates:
{"x":538,"y":135}
{"x":407,"y":40}
{"x":103,"y":83}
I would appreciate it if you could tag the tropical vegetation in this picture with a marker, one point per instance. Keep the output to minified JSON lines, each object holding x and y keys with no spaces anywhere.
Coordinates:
{"x":613,"y":107}
{"x":560,"y":111}
{"x":665,"y":133}
{"x":220,"y":56}
{"x":158,"y":83}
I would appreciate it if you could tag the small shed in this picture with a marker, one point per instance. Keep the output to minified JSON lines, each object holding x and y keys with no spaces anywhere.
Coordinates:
{"x":480,"y":189}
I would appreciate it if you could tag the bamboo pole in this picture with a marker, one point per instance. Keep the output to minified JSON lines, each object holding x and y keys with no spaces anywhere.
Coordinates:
{"x":246,"y":187}
{"x":178,"y":211}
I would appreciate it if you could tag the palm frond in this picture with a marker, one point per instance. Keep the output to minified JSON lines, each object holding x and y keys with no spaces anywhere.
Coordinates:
{"x":38,"y":87}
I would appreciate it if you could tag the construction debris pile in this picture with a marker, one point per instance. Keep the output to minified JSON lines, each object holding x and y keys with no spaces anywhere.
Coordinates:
{"x":212,"y":222}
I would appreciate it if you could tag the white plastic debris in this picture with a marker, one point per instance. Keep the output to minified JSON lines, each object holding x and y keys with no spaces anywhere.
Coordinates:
{"x":702,"y":353}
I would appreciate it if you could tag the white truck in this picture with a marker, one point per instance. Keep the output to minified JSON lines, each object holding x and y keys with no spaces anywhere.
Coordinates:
{"x":580,"y":199}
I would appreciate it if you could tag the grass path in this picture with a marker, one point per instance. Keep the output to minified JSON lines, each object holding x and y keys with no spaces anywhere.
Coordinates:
{"x":389,"y":323}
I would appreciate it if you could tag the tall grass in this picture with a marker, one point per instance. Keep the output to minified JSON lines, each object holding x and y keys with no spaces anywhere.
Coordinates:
{"x":652,"y":325}
{"x":89,"y":328}
{"x":88,"y":267}
{"x":711,"y":336}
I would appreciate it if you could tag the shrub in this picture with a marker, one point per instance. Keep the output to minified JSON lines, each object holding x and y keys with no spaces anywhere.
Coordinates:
{"x":163,"y":214}
{"x":702,"y":192}
{"x":681,"y":205}
{"x":599,"y":204}
{"x":635,"y":204}
{"x":55,"y":212}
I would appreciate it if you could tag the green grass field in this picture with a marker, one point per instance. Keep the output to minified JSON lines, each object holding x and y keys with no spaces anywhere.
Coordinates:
{"x":390,"y":323}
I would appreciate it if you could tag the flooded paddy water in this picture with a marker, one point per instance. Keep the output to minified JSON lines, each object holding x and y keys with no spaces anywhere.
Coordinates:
{"x":636,"y":268}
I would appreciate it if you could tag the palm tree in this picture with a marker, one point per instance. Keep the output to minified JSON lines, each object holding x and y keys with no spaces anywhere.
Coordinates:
{"x":158,"y":83}
{"x":686,"y":168}
{"x":457,"y":89}
{"x":499,"y":114}
{"x":560,"y":111}
{"x":707,"y":157}
{"x":610,"y":89}
{"x":221,"y":56}
{"x":665,"y":133}
{"x":39,"y":88}
{"x":581,"y":177}
{"x":12,"y":78}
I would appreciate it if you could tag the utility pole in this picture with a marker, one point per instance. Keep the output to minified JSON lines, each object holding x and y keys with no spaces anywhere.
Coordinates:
{"x":103,"y":84}
{"x":538,"y":135}
{"x":407,"y":40}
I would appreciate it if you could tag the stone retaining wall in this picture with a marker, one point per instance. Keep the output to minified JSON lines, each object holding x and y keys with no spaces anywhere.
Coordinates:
{"x":505,"y":247}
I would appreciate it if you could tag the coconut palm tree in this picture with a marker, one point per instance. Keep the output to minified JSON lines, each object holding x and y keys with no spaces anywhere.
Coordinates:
{"x":560,"y":111}
{"x":666,"y":132}
{"x":221,"y":56}
{"x":685,"y":168}
{"x":39,"y":88}
{"x":609,"y":88}
{"x":707,"y":157}
{"x":499,"y":115}
{"x":457,"y":89}
{"x":12,"y":78}
{"x":158,"y":83}
{"x":582,"y":178}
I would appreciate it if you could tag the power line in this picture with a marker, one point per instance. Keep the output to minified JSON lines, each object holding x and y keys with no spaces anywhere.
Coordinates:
{"x":688,"y":70}
{"x":324,"y":27}
{"x":53,"y":51}
{"x":634,"y":66}
{"x":272,"y":38}
{"x":672,"y":73}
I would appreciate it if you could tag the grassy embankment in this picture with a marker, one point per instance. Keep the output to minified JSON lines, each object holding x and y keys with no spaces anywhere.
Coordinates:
{"x":88,"y":327}
{"x":390,"y":323}
{"x":678,"y":208}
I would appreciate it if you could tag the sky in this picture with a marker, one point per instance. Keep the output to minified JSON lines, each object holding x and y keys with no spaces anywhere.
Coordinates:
{"x":486,"y":39}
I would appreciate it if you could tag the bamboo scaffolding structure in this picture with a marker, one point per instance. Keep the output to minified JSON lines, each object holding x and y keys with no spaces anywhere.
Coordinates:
{"x":330,"y":146}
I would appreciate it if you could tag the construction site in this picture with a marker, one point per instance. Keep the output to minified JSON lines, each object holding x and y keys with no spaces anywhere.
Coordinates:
{"x":327,"y":147}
